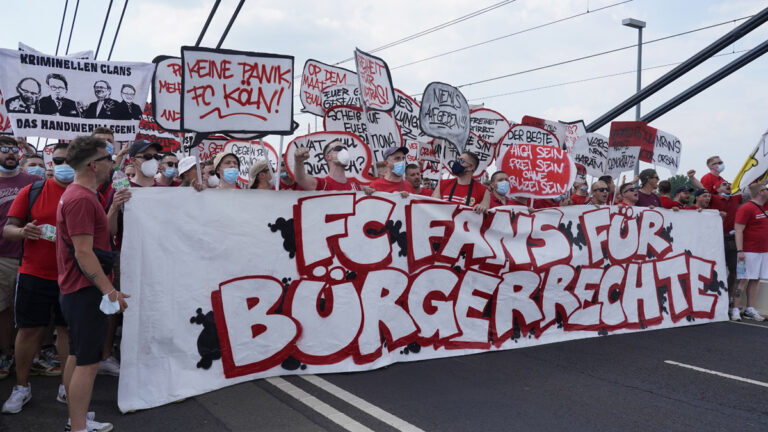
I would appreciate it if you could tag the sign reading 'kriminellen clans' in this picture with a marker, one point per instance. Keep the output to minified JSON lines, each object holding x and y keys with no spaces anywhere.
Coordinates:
{"x":62,"y":98}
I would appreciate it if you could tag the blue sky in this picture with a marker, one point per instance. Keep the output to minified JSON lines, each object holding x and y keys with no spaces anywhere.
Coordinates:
{"x":726,"y":119}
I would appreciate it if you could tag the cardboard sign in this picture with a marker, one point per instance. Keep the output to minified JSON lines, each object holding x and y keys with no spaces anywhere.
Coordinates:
{"x":312,"y":283}
{"x":375,"y":82}
{"x":248,"y":152}
{"x":522,"y":134}
{"x":591,"y":151}
{"x":484,"y":150}
{"x":634,"y":134}
{"x":166,"y":92}
{"x":488,"y":124}
{"x":150,"y":130}
{"x":340,"y":94}
{"x":573,"y":132}
{"x":621,"y":159}
{"x":318,"y":77}
{"x":379,"y":131}
{"x":236,"y":91}
{"x":210,"y":146}
{"x":406,"y":114}
{"x":666,"y":152}
{"x":444,"y":114}
{"x":755,"y":168}
{"x":63,"y":98}
{"x":538,"y":170}
{"x":316,"y":166}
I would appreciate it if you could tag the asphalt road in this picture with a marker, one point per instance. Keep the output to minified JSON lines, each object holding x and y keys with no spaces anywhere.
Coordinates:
{"x":614,"y":383}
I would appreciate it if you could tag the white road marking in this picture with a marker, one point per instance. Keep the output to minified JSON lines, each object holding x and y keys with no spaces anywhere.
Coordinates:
{"x":316,"y":404}
{"x":749,"y":324}
{"x":724,"y":375}
{"x":361,"y":404}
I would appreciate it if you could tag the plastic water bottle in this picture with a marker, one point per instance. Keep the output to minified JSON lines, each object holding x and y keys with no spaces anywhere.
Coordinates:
{"x":741,"y":269}
{"x":120,"y":181}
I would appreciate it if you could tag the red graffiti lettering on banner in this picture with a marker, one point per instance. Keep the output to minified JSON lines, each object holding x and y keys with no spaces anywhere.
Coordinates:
{"x":170,"y":115}
{"x":175,"y":69}
{"x":169,"y":87}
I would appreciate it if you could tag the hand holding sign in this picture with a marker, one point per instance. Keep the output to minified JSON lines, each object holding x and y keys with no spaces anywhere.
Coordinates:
{"x":445,"y":114}
{"x":308,"y":149}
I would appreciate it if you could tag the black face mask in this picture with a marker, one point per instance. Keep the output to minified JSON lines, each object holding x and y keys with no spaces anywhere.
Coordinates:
{"x":456,"y":167}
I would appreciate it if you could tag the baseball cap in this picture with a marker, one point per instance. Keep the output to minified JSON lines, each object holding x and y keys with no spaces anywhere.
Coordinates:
{"x":701,"y":192}
{"x":682,"y":189}
{"x":141,"y":145}
{"x":258,"y":166}
{"x":186,"y":163}
{"x":391,"y":150}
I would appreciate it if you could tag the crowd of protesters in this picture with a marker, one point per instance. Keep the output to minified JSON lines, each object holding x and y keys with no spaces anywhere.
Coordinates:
{"x":59,"y":253}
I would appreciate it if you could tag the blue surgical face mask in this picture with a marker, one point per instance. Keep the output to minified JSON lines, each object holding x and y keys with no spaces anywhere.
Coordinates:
{"x":170,"y":172}
{"x":725,"y":195}
{"x":502,"y":188}
{"x":720,"y":167}
{"x":6,"y":170}
{"x":284,"y":175}
{"x":36,"y":170}
{"x":557,"y":198}
{"x":230,"y":175}
{"x":110,"y":148}
{"x":63,"y":173}
{"x":584,"y":188}
{"x":399,"y":168}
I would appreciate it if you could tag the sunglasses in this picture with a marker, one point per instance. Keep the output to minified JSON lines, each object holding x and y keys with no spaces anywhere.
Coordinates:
{"x":105,"y":157}
{"x":58,"y":160}
{"x":630,"y":189}
{"x":211,"y":173}
{"x":172,"y":164}
{"x":146,"y":157}
{"x":6,"y":149}
{"x":602,"y":189}
{"x":337,"y":148}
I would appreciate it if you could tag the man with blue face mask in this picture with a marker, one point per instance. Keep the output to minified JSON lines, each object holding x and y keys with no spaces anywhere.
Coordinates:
{"x":33,"y":164}
{"x":712,"y":179}
{"x":12,"y":180}
{"x":169,"y":170}
{"x":393,"y":179}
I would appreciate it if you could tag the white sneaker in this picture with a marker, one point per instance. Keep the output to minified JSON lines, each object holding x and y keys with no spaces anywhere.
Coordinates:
{"x":109,"y":366}
{"x":735,"y":314}
{"x":62,"y":396}
{"x":20,"y":396}
{"x":91,"y":425}
{"x":752,"y":313}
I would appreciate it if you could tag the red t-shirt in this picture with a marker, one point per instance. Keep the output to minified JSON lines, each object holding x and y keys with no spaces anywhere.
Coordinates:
{"x":578,"y":199}
{"x":711,"y":182}
{"x":426,"y":191}
{"x":728,"y":205}
{"x":9,"y":188}
{"x":461,"y":191}
{"x":294,"y":186}
{"x":383,"y":185}
{"x":756,"y":227}
{"x":79,"y":212}
{"x":39,"y":255}
{"x":668,"y":203}
{"x":495,"y":202}
{"x":329,"y":184}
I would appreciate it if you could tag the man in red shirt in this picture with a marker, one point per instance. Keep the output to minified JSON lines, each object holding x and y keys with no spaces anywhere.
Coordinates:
{"x":682,"y":197}
{"x":751,"y":225}
{"x":464,"y":189}
{"x":87,"y":294}
{"x":728,"y":204}
{"x":628,"y":194}
{"x":712,"y":179}
{"x":701,"y":199}
{"x":600,"y":192}
{"x":37,"y":291}
{"x":413,"y":175}
{"x":337,"y":158}
{"x":393,"y":179}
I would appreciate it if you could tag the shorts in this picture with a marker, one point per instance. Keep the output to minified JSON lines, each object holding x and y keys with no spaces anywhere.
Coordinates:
{"x":730,"y":254}
{"x":37,"y":300}
{"x":87,"y":324}
{"x":757,"y":265}
{"x":9,"y":267}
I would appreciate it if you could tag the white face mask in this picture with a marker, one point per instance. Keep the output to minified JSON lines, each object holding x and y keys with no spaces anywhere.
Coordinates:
{"x":342,"y":157}
{"x":213,"y":181}
{"x":149,"y":168}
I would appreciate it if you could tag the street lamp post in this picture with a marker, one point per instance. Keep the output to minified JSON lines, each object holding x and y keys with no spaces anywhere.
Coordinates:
{"x":639,"y":25}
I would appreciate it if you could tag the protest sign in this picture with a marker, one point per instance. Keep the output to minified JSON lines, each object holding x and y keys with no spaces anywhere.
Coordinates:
{"x":316,"y":78}
{"x":522,"y":134}
{"x":62,"y":98}
{"x":360,"y":159}
{"x":581,"y":174}
{"x":249,"y":152}
{"x":343,"y":282}
{"x":210,"y":146}
{"x":591,"y":151}
{"x":406,"y":114}
{"x":340,"y":94}
{"x":538,"y":170}
{"x":235,"y":91}
{"x":755,"y":168}
{"x":375,"y":82}
{"x":444,"y":114}
{"x":77,"y":55}
{"x":621,"y":159}
{"x":556,"y":127}
{"x":48,"y":156}
{"x":666,"y":152}
{"x":484,"y":150}
{"x":573,"y":132}
{"x":379,"y":131}
{"x":488,"y":124}
{"x":420,"y":150}
{"x":151,"y":131}
{"x":636,"y":134}
{"x":166,"y":92}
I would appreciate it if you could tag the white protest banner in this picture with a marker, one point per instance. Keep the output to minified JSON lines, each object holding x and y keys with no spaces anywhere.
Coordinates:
{"x":621,"y":159}
{"x":86,"y":55}
{"x":166,"y":92}
{"x":444,"y":114}
{"x":316,"y":78}
{"x":538,"y":170}
{"x":151,"y":131}
{"x":485,"y":151}
{"x":573,"y":132}
{"x":379,"y":130}
{"x":375,"y":82}
{"x":666,"y":152}
{"x":406,"y":114}
{"x":235,"y":91}
{"x":591,"y":151}
{"x":488,"y":124}
{"x":249,"y":152}
{"x":210,"y":146}
{"x":755,"y":168}
{"x":522,"y":134}
{"x":62,"y":98}
{"x":360,"y":158}
{"x":345,"y":282}
{"x":340,"y":94}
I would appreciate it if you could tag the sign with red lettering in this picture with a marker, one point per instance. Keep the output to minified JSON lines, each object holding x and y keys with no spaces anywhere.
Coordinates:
{"x":375,"y":82}
{"x":360,"y":158}
{"x":444,"y":114}
{"x":166,"y":92}
{"x":379,"y":130}
{"x":634,"y":134}
{"x":48,"y":156}
{"x":573,"y":132}
{"x":210,"y":146}
{"x":522,"y":134}
{"x":488,"y":125}
{"x":151,"y":131}
{"x":316,"y":78}
{"x":538,"y":170}
{"x":310,"y":283}
{"x":235,"y":91}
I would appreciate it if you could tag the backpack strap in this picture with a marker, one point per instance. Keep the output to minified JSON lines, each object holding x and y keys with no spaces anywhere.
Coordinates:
{"x":34,"y":193}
